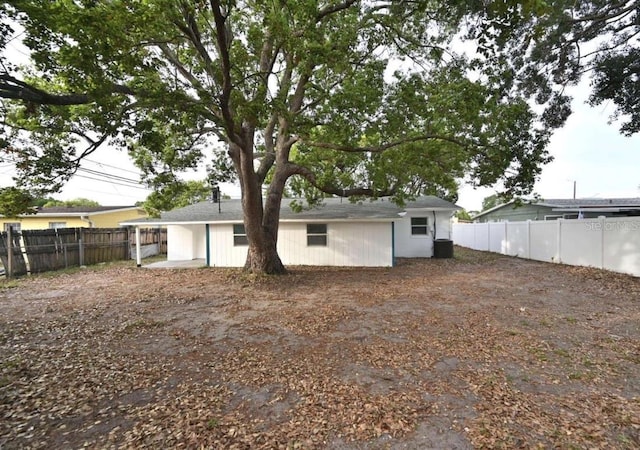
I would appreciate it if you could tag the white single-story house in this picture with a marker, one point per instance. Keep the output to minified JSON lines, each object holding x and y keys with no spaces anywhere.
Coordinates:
{"x":337,"y":233}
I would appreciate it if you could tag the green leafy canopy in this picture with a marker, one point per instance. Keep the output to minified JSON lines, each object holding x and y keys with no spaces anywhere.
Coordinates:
{"x":156,"y":77}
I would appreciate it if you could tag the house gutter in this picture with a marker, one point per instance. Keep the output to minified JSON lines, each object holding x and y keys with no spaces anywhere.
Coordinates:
{"x":87,"y":220}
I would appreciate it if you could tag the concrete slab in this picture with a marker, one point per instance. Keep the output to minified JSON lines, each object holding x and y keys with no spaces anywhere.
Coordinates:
{"x":190,"y":264}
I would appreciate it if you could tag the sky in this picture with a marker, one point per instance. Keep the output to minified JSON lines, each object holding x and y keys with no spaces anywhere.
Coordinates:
{"x":587,"y":151}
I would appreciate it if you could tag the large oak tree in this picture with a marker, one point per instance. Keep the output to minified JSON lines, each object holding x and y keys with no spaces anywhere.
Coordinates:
{"x":349,"y":98}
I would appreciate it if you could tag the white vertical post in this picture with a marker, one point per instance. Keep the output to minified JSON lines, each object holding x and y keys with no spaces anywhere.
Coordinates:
{"x":488,"y":236}
{"x":528,"y":239}
{"x":505,"y":245}
{"x":559,"y":243}
{"x":603,"y":222}
{"x":138,"y":249}
{"x":9,"y":252}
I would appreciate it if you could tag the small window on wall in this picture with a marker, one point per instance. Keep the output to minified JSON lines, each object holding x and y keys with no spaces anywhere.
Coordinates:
{"x":317,"y":234}
{"x":239,"y":235}
{"x":55,"y":225}
{"x":15,"y":226}
{"x":419,"y":226}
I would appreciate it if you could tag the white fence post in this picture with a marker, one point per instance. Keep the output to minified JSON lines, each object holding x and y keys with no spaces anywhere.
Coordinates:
{"x":528,"y":255}
{"x":505,"y":246}
{"x":603,"y":223}
{"x":560,"y":240}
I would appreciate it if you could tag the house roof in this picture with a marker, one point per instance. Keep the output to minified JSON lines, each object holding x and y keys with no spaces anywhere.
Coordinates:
{"x":77,"y":211}
{"x":72,"y":210}
{"x":576,"y":204}
{"x":332,"y":209}
{"x":592,"y":202}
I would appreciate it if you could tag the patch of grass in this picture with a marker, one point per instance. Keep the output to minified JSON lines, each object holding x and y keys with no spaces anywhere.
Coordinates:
{"x":9,"y":284}
{"x":4,"y":381}
{"x":10,"y":368}
{"x":142,"y":324}
{"x":632,"y":358}
{"x":545,"y":323}
{"x":587,"y":362}
{"x":562,"y":352}
{"x":11,"y":363}
{"x":571,"y":320}
{"x":539,"y":353}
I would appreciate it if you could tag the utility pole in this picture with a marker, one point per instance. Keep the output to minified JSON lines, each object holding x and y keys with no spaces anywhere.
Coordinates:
{"x":574,"y":189}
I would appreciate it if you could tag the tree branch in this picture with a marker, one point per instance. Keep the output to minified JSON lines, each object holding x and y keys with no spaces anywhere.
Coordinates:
{"x":295,"y":169}
{"x":12,"y":88}
{"x":332,"y":9}
{"x":384,"y":147}
{"x":225,"y":61}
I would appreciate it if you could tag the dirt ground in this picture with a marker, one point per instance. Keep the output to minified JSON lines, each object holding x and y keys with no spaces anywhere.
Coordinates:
{"x":479,"y":351}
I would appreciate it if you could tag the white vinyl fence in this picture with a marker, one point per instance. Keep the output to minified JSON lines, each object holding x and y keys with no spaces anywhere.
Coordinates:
{"x":605,"y":243}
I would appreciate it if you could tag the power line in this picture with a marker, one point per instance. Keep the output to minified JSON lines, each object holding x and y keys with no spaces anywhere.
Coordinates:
{"x":108,"y":165}
{"x":110,"y":178}
{"x":113,"y":182}
{"x":109,"y":175}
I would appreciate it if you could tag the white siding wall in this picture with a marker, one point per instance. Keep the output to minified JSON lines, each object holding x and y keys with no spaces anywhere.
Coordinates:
{"x":185,"y":242}
{"x":348,"y":244}
{"x":199,"y":242}
{"x":443,"y":224}
{"x":222,"y":251}
{"x":410,"y":246}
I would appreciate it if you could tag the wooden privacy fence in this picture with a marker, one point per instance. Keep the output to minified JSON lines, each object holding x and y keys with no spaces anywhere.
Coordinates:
{"x":54,"y":249}
{"x":16,"y":264}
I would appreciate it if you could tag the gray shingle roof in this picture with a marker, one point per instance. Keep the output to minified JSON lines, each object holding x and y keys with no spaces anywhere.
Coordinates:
{"x":591,"y":202}
{"x":560,"y":204}
{"x":331,"y":209}
{"x":72,"y":210}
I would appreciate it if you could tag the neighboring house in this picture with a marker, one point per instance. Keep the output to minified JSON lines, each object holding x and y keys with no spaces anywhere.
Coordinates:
{"x":338,"y":233}
{"x":551,"y":209}
{"x":73,"y":217}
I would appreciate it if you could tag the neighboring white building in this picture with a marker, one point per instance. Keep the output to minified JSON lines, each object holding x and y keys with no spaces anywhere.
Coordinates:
{"x":337,"y":233}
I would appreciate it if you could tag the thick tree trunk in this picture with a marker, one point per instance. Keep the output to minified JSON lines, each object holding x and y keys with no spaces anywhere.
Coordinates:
{"x":264,"y":259}
{"x":260,"y":221}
